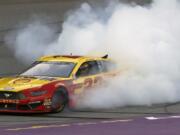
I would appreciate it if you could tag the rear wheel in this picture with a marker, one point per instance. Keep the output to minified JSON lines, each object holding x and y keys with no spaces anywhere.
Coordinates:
{"x":59,"y":100}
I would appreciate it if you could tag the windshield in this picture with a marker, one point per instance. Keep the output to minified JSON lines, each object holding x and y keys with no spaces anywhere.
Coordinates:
{"x":51,"y":69}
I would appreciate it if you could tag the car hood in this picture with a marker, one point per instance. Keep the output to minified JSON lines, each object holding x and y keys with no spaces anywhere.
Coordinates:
{"x":19,"y":83}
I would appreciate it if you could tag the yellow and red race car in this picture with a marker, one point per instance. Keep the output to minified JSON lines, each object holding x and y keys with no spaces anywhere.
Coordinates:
{"x":51,"y":82}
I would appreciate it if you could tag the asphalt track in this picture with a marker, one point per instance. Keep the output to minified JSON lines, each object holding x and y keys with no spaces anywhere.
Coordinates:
{"x":140,"y":126}
{"x":155,"y":120}
{"x":125,"y":120}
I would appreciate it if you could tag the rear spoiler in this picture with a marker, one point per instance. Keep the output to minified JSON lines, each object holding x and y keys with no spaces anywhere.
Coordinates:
{"x":105,"y":56}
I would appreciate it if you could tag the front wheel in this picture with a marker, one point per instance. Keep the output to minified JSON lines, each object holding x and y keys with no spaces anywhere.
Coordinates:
{"x":59,"y":100}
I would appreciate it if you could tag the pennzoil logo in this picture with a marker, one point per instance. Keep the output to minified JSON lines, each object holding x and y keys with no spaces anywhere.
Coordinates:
{"x":7,"y":101}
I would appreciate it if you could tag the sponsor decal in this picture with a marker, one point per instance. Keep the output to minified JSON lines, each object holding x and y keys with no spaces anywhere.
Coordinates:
{"x":47,"y":102}
{"x":9,"y":101}
{"x":7,"y":88}
{"x":21,"y":81}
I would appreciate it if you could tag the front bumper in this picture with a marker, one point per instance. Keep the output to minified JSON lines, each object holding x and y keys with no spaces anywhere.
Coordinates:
{"x":25,"y":106}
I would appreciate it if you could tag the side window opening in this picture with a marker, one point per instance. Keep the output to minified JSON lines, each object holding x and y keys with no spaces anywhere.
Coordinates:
{"x":88,"y":68}
{"x":107,"y":66}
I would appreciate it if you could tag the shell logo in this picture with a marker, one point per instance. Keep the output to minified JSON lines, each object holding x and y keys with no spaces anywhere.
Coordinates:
{"x":21,"y":81}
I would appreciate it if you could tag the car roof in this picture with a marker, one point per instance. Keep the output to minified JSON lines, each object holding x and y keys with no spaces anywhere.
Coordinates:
{"x":69,"y":58}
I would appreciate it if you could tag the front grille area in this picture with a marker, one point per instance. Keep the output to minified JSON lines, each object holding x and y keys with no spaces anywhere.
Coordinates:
{"x":11,"y":101}
{"x":4,"y":106}
{"x":9,"y":95}
{"x":23,"y":107}
{"x":35,"y":105}
{"x":29,"y":106}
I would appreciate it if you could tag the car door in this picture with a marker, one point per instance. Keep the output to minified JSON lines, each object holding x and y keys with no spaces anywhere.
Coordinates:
{"x":87,"y":76}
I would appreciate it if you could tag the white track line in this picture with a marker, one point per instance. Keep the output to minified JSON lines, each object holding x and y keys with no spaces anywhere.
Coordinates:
{"x":162,"y":118}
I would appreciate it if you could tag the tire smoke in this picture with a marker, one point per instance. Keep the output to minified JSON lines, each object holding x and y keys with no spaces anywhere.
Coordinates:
{"x":144,"y":39}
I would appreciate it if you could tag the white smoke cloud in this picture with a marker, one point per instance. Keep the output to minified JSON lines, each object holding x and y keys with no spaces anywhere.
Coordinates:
{"x":30,"y":42}
{"x":144,"y":39}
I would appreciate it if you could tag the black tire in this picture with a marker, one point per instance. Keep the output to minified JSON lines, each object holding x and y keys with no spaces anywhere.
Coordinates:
{"x":59,"y":100}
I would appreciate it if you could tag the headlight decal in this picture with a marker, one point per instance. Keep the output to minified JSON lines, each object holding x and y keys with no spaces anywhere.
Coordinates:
{"x":38,"y":93}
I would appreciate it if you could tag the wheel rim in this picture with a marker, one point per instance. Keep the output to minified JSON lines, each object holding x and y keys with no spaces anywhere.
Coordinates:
{"x":58,"y":101}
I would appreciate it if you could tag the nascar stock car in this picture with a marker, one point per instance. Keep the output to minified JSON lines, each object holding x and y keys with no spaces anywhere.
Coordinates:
{"x":50,"y":83}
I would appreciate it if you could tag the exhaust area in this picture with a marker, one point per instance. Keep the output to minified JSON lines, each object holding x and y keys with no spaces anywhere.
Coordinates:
{"x":144,"y":40}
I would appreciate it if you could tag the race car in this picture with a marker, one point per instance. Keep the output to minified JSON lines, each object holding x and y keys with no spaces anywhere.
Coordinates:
{"x":51,"y":82}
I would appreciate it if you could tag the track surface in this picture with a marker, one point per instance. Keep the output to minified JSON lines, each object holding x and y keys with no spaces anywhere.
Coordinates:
{"x":149,"y":126}
{"x":79,"y":122}
{"x":69,"y":116}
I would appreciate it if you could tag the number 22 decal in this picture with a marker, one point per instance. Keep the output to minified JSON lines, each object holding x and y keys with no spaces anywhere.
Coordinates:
{"x":89,"y":82}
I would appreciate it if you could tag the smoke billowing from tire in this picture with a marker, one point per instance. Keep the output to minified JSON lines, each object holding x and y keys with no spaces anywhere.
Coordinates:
{"x":144,"y":40}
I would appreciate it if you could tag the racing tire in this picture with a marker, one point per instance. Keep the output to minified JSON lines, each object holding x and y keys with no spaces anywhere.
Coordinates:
{"x":59,"y":100}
